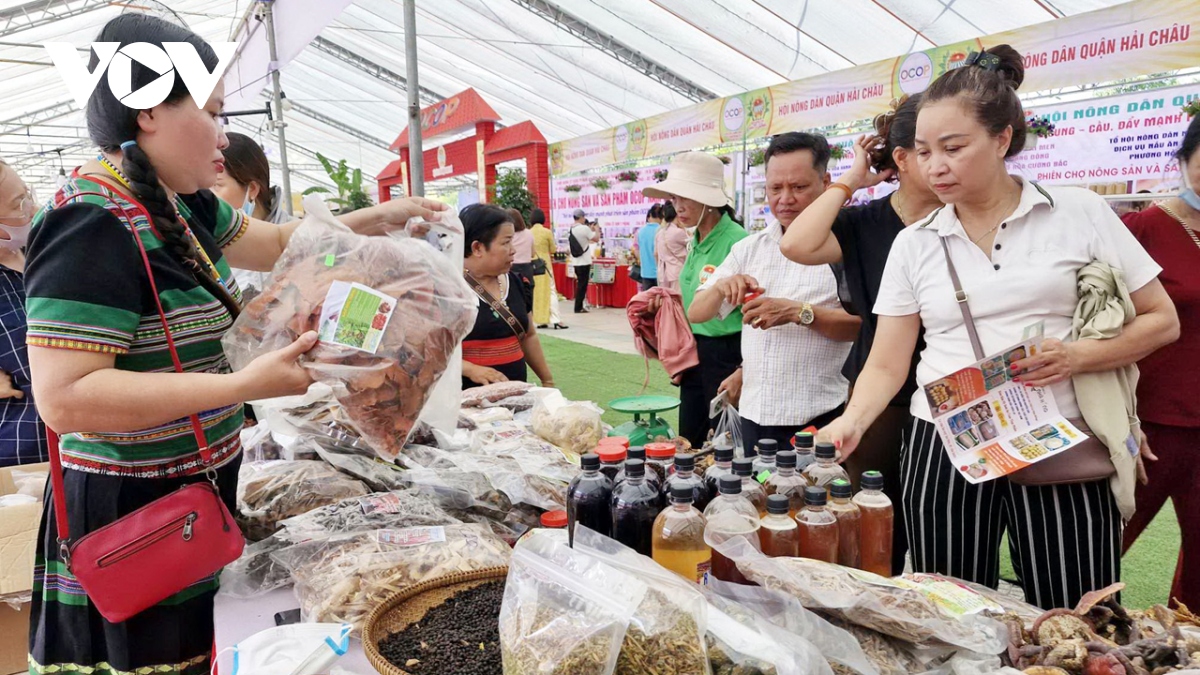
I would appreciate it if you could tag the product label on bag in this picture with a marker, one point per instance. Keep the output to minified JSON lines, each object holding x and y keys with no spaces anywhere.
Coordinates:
{"x":412,"y":536}
{"x":385,"y":503}
{"x":355,"y":316}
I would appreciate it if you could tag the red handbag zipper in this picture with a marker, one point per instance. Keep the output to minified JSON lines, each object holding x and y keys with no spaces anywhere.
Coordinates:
{"x":147,"y":540}
{"x":117,"y":523}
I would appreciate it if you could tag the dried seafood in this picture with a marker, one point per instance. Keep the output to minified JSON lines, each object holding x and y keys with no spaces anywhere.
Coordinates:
{"x":269,"y":492}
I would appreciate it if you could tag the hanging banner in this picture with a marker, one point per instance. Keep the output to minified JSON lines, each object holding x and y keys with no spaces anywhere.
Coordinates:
{"x":1129,"y":40}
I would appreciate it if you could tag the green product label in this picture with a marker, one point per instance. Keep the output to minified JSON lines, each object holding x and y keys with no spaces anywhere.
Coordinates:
{"x":355,"y":316}
{"x":763,"y":476}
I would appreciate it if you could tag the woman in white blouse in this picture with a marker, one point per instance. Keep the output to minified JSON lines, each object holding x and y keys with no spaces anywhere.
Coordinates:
{"x":1017,"y":248}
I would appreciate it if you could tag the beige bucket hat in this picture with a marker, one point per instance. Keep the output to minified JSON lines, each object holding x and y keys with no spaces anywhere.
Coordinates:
{"x":698,"y":176}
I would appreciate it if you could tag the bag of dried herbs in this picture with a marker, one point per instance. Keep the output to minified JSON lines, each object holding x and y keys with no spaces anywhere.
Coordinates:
{"x":741,"y":642}
{"x":666,"y":634}
{"x":563,"y":613}
{"x":270,"y":492}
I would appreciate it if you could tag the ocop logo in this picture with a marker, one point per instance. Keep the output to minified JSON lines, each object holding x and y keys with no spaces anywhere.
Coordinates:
{"x":735,"y":113}
{"x":118,"y":61}
{"x":916,"y":71}
{"x":621,"y":138}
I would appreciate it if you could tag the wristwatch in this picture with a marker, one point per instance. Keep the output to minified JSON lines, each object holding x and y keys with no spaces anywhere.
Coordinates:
{"x":806,"y":315}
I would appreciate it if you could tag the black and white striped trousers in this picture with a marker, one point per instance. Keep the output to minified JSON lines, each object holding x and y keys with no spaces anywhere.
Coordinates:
{"x":1067,"y":538}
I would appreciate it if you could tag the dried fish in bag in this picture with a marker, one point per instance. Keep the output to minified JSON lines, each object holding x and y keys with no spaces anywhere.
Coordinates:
{"x":269,"y":492}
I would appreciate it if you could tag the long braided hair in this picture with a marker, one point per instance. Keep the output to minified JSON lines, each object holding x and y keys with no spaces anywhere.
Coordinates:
{"x":112,"y":125}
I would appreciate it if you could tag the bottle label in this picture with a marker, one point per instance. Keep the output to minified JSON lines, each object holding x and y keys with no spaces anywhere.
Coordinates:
{"x":412,"y":536}
{"x":763,"y":476}
{"x":702,"y":571}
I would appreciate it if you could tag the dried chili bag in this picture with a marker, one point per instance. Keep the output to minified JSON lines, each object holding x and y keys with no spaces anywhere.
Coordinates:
{"x":390,"y":313}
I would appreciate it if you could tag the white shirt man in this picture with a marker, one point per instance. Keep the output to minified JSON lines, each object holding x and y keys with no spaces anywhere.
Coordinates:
{"x":796,"y":336}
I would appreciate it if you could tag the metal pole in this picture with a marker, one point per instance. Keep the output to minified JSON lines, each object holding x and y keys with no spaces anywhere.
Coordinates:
{"x":278,"y":123}
{"x":416,"y":178}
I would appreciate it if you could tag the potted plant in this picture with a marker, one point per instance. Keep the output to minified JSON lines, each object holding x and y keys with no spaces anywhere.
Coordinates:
{"x":628,"y":179}
{"x":351,"y":196}
{"x":1037,"y":127}
{"x":660,"y":175}
{"x":601,"y":184}
{"x":837,"y":152}
{"x":1192,"y":108}
{"x":573,"y":189}
{"x":757,"y":157}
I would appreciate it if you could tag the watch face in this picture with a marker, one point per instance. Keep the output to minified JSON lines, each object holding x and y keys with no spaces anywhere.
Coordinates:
{"x":806,"y":316}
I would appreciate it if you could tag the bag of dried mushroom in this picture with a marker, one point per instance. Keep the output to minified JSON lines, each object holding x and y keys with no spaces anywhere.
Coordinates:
{"x":269,"y":492}
{"x":891,"y":606}
{"x":389,"y":311}
{"x":343,"y":578}
{"x":564,"y":613}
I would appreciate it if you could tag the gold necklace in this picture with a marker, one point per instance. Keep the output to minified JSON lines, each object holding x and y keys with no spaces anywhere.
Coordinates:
{"x":994,"y":227}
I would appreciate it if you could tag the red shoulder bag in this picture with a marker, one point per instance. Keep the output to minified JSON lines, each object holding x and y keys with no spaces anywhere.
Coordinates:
{"x":162,"y":548}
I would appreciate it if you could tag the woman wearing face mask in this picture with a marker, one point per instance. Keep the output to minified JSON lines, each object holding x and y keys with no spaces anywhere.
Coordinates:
{"x":1168,"y":390}
{"x":860,"y":238}
{"x":695,"y":185}
{"x":246,"y":183}
{"x":102,"y":372}
{"x":1017,"y":248}
{"x":22,"y":434}
{"x":503,"y":340}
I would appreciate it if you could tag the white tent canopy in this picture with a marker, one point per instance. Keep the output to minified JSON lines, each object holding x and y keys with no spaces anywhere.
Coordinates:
{"x":570,"y":66}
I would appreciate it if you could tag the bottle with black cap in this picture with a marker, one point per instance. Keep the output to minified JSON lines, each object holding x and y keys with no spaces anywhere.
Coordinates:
{"x":787,"y":482}
{"x":818,"y":527}
{"x":635,"y":505}
{"x":764,"y":463}
{"x":685,"y":474}
{"x":678,"y":542}
{"x":779,"y":534}
{"x":728,"y":516}
{"x":637,"y":452}
{"x":588,"y":499}
{"x":803,"y":443}
{"x":826,"y":469}
{"x":743,"y":468}
{"x":849,"y":522}
{"x":722,"y":466}
{"x":878,"y":525}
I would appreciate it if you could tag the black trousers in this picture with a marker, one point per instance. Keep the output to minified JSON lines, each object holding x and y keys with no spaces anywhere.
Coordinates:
{"x":582,"y":274}
{"x":753,"y":432}
{"x":1067,"y":537}
{"x":719,"y":357}
{"x":646,"y":284}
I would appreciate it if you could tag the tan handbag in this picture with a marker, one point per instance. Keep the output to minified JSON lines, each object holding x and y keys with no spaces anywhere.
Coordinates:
{"x":1085,"y":462}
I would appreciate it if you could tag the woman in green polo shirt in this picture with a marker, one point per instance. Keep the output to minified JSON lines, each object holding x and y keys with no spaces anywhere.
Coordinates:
{"x":695,"y":185}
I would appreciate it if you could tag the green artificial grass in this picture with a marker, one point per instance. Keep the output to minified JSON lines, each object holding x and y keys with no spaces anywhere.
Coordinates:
{"x":593,"y":374}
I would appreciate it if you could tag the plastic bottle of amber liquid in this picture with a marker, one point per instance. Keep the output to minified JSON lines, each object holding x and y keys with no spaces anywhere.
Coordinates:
{"x":779,"y":534}
{"x":849,"y":521}
{"x":878,"y":521}
{"x":635,"y":505}
{"x":787,"y":482}
{"x":679,"y":537}
{"x":728,"y":516}
{"x":765,"y":460}
{"x":685,"y":474}
{"x":826,"y":469}
{"x":722,"y":466}
{"x":818,"y":527}
{"x":588,"y":498}
{"x":803,"y":443}
{"x":752,"y":490}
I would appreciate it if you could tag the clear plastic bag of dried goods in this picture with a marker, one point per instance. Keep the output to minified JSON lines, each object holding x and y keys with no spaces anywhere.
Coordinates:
{"x":343,"y":578}
{"x":741,"y":642}
{"x":564,"y":613}
{"x":668,"y":627}
{"x":574,"y":426}
{"x":269,"y":492}
{"x":786,"y":613}
{"x":891,"y":606}
{"x":728,"y":431}
{"x":389,"y":311}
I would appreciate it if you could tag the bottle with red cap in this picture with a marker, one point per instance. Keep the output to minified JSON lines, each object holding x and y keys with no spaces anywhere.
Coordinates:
{"x":660,"y":458}
{"x":612,"y":460}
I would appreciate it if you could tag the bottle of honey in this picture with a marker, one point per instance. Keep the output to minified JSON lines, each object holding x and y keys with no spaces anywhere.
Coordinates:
{"x":743,"y":468}
{"x":826,"y":469}
{"x":779,"y":534}
{"x":849,"y":522}
{"x":730,"y":515}
{"x":818,"y":527}
{"x":678,"y":543}
{"x":878,"y":522}
{"x":787,"y":482}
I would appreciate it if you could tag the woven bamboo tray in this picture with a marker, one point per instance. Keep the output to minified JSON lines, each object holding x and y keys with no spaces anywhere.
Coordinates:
{"x":410,"y":605}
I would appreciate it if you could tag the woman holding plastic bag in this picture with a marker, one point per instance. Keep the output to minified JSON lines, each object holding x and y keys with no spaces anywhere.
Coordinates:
{"x":503,"y":340}
{"x":102,"y":370}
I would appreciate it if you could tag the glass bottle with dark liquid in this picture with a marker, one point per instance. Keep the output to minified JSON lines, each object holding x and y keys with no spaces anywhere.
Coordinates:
{"x":826,"y":469}
{"x":752,"y":490}
{"x":818,"y":527}
{"x":803,"y":443}
{"x":635,"y":505}
{"x":779,"y":534}
{"x":679,"y":537}
{"x":878,"y":523}
{"x":685,"y":474}
{"x":612,"y":460}
{"x":588,"y":498}
{"x":849,"y":522}
{"x":765,"y":461}
{"x":660,"y":460}
{"x":722,"y":466}
{"x":787,"y":482}
{"x":728,"y":516}
{"x":637,"y":452}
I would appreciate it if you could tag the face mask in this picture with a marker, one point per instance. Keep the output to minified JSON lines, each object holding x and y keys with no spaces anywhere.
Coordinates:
{"x":297,"y":649}
{"x":1188,"y":193}
{"x":17,"y":236}
{"x":248,"y":205}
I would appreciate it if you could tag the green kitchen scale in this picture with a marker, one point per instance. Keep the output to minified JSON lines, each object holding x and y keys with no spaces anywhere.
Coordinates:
{"x":643,"y":430}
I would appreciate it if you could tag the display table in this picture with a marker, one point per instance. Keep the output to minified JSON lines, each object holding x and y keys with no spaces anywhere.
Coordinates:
{"x":617,"y":294}
{"x":237,"y":620}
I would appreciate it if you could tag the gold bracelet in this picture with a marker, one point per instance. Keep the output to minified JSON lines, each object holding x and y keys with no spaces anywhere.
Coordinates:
{"x":844,"y":188}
